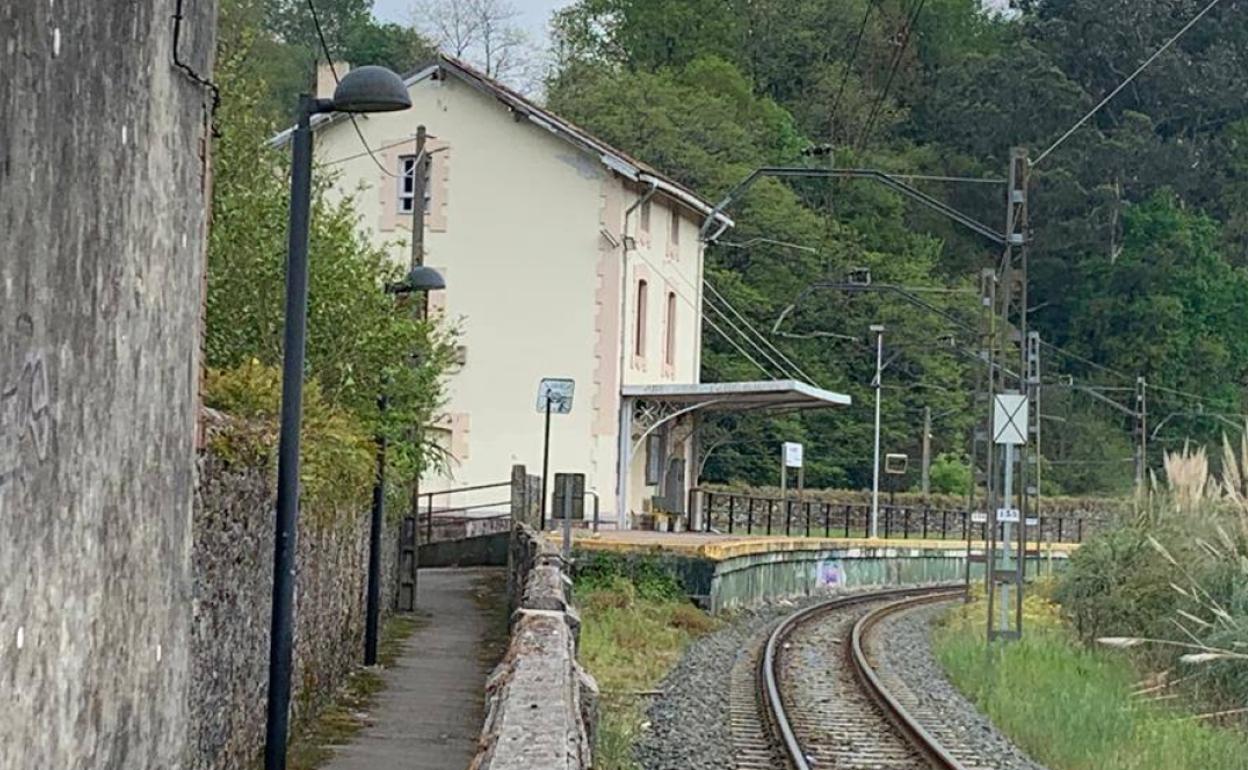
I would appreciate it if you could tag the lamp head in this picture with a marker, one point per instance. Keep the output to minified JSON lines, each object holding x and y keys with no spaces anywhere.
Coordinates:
{"x":423,"y":278}
{"x":371,"y":89}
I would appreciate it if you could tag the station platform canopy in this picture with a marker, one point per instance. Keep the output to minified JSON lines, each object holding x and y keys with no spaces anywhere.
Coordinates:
{"x":735,"y":396}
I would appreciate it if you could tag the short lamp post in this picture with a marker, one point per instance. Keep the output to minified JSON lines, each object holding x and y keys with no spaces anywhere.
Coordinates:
{"x":421,"y":280}
{"x":367,"y":89}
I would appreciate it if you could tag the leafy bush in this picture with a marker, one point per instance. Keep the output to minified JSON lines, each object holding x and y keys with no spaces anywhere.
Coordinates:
{"x":1115,"y":585}
{"x":337,"y":453}
{"x":950,"y":475}
{"x":647,"y":577}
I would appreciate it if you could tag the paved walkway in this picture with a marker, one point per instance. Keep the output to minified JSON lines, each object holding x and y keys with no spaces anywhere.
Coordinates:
{"x":430,"y":713}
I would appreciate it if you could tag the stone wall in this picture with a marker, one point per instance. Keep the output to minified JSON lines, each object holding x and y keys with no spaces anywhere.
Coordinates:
{"x":103,"y":202}
{"x":233,"y":570}
{"x":540,"y":704}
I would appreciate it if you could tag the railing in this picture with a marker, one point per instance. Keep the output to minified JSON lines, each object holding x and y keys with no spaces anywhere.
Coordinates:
{"x":734,"y":513}
{"x":451,"y":521}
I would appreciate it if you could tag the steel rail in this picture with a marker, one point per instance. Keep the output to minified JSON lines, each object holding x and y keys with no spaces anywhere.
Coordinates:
{"x":776,"y":713}
{"x":901,"y":718}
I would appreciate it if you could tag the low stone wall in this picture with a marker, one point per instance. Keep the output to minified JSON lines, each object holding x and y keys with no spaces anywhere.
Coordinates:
{"x":232,"y":561}
{"x":540,"y":704}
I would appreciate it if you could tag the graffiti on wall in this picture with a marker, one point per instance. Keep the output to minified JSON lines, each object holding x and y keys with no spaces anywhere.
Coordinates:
{"x":831,"y":573}
{"x":26,"y":418}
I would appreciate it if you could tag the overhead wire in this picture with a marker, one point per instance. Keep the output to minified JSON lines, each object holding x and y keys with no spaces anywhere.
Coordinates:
{"x":756,"y":332}
{"x":710,"y":322}
{"x":329,"y":59}
{"x":761,"y":351}
{"x":784,"y":372}
{"x":853,"y":57}
{"x":907,"y":30}
{"x":1079,"y":123}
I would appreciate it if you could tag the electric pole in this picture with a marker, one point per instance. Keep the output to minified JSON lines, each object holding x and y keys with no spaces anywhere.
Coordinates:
{"x":879,"y":387}
{"x":1005,"y":574}
{"x":419,"y":166}
{"x":927,"y":452}
{"x":1141,"y":435}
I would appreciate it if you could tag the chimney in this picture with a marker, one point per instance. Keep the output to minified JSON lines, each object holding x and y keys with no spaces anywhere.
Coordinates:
{"x":325,"y":78}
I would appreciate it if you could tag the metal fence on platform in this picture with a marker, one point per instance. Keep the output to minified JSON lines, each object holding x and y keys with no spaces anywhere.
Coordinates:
{"x":742,"y":514}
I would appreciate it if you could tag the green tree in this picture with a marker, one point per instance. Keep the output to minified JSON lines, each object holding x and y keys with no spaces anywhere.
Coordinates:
{"x":950,"y":474}
{"x":361,"y":342}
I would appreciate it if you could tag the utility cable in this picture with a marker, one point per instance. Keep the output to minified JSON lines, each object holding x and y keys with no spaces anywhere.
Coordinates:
{"x":1078,"y":124}
{"x":329,"y":59}
{"x":892,"y":73}
{"x":785,"y":373}
{"x":853,"y":57}
{"x":740,"y":350}
{"x":710,"y":322}
{"x":761,"y":351}
{"x":722,"y":299}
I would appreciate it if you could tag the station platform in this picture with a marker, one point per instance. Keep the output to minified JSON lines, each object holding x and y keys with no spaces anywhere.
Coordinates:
{"x":729,"y":572}
{"x":721,"y":547}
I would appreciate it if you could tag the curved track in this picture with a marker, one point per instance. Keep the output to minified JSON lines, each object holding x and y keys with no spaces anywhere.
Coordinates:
{"x":823,"y":700}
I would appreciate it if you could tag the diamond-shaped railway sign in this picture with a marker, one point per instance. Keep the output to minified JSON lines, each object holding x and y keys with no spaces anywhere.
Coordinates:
{"x":1009,"y":419}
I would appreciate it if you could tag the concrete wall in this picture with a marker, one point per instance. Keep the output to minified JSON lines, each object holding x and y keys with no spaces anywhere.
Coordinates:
{"x":103,"y":194}
{"x":751,"y":580}
{"x":540,"y":705}
{"x":233,"y":569}
{"x":475,"y":551}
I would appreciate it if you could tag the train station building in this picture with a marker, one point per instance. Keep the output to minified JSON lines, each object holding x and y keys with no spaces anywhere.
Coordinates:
{"x":563,"y":258}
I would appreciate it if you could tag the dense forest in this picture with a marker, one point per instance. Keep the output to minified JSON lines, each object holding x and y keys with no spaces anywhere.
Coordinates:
{"x":1139,"y":219}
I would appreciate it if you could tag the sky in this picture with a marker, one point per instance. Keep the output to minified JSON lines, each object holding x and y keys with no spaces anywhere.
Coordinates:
{"x":534,"y":14}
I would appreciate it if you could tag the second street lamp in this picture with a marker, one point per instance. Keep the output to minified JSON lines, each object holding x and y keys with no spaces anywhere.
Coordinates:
{"x":420,"y":280}
{"x":367,"y":89}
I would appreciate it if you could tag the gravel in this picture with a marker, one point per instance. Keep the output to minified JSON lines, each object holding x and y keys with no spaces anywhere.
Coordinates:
{"x":909,"y":655}
{"x":688,"y":727}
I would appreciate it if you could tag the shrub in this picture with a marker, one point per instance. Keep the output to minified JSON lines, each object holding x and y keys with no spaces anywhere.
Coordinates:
{"x":649,"y":577}
{"x":950,"y":475}
{"x":1116,"y":585}
{"x":336,"y":466}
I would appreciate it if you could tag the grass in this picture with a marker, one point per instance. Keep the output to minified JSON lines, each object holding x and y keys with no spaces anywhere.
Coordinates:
{"x":313,"y":744}
{"x":1071,"y":707}
{"x":630,"y":638}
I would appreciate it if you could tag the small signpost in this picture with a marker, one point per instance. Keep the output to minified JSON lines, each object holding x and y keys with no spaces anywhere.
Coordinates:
{"x":790,"y":457}
{"x":895,"y":465}
{"x":570,"y":503}
{"x":792,"y":454}
{"x":554,"y":396}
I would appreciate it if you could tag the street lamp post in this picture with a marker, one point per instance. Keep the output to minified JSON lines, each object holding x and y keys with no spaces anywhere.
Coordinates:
{"x":420,"y":280}
{"x":367,"y":89}
{"x":875,"y":476}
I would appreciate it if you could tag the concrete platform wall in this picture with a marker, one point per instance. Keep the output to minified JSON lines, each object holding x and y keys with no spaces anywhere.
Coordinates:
{"x":746,"y":581}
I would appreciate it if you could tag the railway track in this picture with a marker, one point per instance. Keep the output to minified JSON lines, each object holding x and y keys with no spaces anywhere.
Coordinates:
{"x":810,"y":696}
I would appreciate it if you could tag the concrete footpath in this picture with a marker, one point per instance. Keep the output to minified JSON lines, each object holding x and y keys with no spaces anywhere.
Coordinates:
{"x":429,"y":715}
